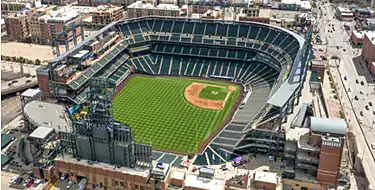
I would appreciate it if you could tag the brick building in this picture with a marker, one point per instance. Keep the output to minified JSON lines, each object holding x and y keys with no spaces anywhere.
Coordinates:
{"x":314,"y":158}
{"x":142,"y":9}
{"x":16,"y":25}
{"x":368,"y":50}
{"x":54,"y":23}
{"x":106,"y":14}
{"x":255,"y":14}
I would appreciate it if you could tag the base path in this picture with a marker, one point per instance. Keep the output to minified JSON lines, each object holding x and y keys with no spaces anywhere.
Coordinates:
{"x":192,"y":95}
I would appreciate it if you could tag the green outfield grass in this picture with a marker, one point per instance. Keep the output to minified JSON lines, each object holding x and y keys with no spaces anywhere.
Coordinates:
{"x":214,"y":93}
{"x":156,"y":110}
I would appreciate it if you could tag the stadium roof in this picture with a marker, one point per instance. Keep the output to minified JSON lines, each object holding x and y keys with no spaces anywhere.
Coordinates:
{"x":282,"y":95}
{"x":323,"y":125}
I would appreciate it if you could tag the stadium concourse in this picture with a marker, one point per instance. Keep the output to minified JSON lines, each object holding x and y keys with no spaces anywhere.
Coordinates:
{"x":269,"y":62}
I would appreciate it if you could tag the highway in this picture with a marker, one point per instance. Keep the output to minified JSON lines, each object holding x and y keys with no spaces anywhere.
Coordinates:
{"x":337,"y":43}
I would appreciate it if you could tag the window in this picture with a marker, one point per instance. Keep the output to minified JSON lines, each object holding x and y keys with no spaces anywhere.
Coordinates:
{"x":116,"y":183}
{"x":122,"y":184}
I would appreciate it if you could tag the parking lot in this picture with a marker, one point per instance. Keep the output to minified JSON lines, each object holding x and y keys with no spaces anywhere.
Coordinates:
{"x":6,"y":176}
{"x":61,"y":185}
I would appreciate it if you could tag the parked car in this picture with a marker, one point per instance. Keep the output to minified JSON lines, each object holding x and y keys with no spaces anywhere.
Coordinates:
{"x":70,"y":184}
{"x":31,"y":182}
{"x":37,"y":182}
{"x":373,"y":146}
{"x":63,"y":177}
{"x":13,"y":180}
{"x":26,"y":182}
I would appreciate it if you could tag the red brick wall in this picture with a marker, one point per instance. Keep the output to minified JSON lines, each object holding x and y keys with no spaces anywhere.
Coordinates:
{"x":329,"y":164}
{"x":368,"y":50}
{"x":43,"y":84}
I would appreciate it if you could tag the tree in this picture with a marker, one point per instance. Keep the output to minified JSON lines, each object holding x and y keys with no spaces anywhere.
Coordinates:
{"x":13,"y":59}
{"x":37,"y":62}
{"x":5,"y":58}
{"x":30,"y":62}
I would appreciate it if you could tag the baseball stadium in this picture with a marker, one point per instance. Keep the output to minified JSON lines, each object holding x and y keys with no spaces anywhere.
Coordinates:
{"x":188,"y":86}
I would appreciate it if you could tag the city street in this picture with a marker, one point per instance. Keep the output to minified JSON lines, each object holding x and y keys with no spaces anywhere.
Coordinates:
{"x":354,"y":87}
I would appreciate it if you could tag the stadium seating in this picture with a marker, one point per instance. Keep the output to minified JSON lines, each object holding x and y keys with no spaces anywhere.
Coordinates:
{"x":97,"y":66}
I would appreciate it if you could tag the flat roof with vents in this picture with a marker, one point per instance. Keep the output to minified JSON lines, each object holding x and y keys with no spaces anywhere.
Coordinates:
{"x":47,"y":115}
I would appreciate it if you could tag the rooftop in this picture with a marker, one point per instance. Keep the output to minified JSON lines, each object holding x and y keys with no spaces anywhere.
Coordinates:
{"x":142,"y":5}
{"x":31,"y":92}
{"x":296,"y":133}
{"x":178,"y":175}
{"x":106,"y":8}
{"x":81,"y":53}
{"x":41,"y":132}
{"x":204,"y":183}
{"x":371,"y":36}
{"x":63,"y":15}
{"x":47,"y":114}
{"x":323,"y":125}
{"x":344,"y":10}
{"x":266,"y":177}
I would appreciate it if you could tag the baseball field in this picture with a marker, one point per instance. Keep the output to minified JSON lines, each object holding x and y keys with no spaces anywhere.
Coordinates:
{"x":176,"y":114}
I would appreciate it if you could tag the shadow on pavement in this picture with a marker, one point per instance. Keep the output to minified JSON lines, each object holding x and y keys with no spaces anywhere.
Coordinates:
{"x":362,"y":69}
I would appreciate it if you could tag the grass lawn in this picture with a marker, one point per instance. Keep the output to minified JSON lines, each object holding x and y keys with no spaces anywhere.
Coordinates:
{"x":214,"y":93}
{"x":156,"y":110}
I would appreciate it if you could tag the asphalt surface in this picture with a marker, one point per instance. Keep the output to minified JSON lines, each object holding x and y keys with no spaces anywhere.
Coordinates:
{"x":61,"y":185}
{"x":337,"y":43}
{"x":10,"y":108}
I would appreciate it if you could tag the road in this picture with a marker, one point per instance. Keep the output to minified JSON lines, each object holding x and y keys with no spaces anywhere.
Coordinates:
{"x":10,"y":108}
{"x":337,"y":43}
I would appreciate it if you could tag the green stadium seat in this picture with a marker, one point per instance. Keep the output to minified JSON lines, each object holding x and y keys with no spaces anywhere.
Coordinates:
{"x":167,"y":26}
{"x":263,"y":34}
{"x":188,"y":28}
{"x":199,"y":29}
{"x":243,"y":31}
{"x":253,"y":31}
{"x":232,"y":30}
{"x":177,"y":27}
{"x":210,"y":30}
{"x":222,"y":30}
